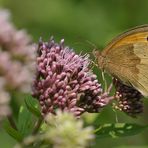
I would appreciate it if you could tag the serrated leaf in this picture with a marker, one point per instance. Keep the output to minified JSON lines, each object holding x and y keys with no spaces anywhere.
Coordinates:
{"x":12,"y":132}
{"x":25,"y":123}
{"x":32,"y":106}
{"x":119,"y":130}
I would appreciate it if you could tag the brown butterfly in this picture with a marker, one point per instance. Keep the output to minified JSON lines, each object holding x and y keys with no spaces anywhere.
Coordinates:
{"x":126,"y":58}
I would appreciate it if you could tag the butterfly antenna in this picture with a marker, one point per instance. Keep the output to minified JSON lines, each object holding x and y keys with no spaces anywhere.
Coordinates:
{"x":92,"y":44}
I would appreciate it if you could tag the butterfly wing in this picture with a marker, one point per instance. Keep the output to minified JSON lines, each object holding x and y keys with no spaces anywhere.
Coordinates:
{"x":141,"y":80}
{"x":127,"y":58}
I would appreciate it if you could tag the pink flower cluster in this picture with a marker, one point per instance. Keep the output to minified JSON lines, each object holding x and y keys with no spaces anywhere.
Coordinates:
{"x":64,"y":81}
{"x":16,"y":59}
{"x":129,"y":99}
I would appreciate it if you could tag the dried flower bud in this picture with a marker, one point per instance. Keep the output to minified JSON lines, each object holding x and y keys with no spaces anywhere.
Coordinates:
{"x":64,"y":81}
{"x":129,"y":100}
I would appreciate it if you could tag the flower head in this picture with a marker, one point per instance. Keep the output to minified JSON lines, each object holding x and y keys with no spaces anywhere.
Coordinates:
{"x":64,"y":131}
{"x":61,"y":131}
{"x":16,"y":60}
{"x":4,"y":100}
{"x":18,"y":54}
{"x":64,"y":81}
{"x":129,"y":100}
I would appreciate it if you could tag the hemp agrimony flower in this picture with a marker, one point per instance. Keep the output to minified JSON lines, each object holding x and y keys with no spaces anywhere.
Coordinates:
{"x":61,"y":131}
{"x":129,"y":100}
{"x":67,"y":132}
{"x":65,"y":81}
{"x":16,"y":61}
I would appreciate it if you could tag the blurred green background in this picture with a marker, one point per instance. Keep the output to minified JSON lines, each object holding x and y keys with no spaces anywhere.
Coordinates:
{"x":80,"y":22}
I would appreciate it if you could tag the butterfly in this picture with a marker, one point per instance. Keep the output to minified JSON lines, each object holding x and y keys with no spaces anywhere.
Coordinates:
{"x":126,"y":58}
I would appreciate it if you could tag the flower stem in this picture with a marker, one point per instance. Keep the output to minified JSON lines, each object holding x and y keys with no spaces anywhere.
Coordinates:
{"x":37,"y":125}
{"x":12,"y":123}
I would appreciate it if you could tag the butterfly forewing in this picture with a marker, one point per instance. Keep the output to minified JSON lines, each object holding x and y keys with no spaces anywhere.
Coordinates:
{"x":126,"y":58}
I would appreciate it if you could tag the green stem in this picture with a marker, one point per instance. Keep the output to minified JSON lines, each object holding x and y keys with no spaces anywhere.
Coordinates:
{"x":12,"y":123}
{"x":37,"y":125}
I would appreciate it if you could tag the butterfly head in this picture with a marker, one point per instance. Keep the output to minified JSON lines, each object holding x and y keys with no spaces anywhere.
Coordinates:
{"x":100,"y":59}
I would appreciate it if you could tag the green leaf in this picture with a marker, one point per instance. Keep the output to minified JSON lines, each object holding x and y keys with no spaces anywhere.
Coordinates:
{"x":119,"y":130}
{"x":32,"y":105}
{"x":12,"y":132}
{"x":25,"y":122}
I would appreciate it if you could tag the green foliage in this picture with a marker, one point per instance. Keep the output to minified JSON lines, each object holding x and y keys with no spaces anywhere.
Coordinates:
{"x":118,"y":130}
{"x":32,"y":105}
{"x":26,"y":120}
{"x":25,"y":124}
{"x":12,"y":132}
